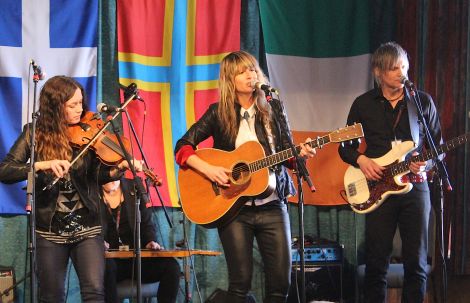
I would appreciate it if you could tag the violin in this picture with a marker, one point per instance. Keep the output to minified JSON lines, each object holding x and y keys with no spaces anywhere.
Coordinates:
{"x":106,"y":146}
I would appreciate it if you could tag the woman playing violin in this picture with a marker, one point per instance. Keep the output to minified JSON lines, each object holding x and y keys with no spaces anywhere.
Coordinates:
{"x":67,"y":214}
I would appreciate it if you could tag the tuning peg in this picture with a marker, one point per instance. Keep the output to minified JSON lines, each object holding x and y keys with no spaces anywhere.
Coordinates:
{"x":359,"y":140}
{"x":342,"y":144}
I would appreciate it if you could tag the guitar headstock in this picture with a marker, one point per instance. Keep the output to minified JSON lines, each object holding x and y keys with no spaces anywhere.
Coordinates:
{"x":347,"y":133}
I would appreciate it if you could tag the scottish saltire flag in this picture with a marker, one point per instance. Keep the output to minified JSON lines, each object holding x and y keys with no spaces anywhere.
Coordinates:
{"x":172,"y":50}
{"x":61,"y":37}
{"x":318,"y":55}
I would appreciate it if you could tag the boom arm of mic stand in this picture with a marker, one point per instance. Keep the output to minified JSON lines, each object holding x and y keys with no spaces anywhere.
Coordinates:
{"x":131,"y":126}
{"x":301,"y":168}
{"x":441,"y":169}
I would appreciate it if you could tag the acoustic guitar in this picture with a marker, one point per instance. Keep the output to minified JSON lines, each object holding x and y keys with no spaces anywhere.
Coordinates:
{"x":364,"y":195}
{"x":209,"y":205}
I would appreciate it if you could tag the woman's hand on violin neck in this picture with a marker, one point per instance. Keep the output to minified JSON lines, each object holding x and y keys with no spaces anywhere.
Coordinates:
{"x":138,"y":165}
{"x":59,"y":167}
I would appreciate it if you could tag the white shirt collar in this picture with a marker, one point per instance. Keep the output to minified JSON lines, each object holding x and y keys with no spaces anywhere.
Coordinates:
{"x":251,"y":111}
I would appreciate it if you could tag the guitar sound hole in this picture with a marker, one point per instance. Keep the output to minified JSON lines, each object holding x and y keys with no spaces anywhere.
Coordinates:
{"x":240,"y":173}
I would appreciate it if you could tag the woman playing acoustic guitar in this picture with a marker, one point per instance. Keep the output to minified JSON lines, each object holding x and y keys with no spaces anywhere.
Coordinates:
{"x":243,"y":115}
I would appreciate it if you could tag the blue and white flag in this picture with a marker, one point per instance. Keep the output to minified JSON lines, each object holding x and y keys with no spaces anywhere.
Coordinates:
{"x":61,"y":37}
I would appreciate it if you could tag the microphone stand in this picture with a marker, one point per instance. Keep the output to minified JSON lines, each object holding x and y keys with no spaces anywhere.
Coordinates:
{"x":443,"y":178}
{"x":302,"y":174}
{"x":140,"y":195}
{"x":186,"y":263}
{"x":131,"y":94}
{"x":31,"y":194}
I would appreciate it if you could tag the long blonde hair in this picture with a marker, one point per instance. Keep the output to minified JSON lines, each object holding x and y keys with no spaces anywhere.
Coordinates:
{"x":52,"y":141}
{"x":232,"y":65}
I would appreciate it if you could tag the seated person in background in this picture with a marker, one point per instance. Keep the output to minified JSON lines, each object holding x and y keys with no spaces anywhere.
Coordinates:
{"x":118,"y":229}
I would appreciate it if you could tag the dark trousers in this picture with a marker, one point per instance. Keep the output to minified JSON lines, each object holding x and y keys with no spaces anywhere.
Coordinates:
{"x":165,"y":270}
{"x":88,"y":260}
{"x":410,"y":212}
{"x":271,"y":228}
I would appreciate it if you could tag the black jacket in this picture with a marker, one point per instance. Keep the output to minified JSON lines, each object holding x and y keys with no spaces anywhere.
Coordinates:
{"x":147,"y":227}
{"x":368,"y":109}
{"x":210,"y":125}
{"x":87,"y":175}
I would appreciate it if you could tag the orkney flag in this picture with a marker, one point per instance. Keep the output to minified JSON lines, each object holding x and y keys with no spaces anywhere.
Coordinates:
{"x":58,"y":35}
{"x":172,"y":49}
{"x":318,"y":56}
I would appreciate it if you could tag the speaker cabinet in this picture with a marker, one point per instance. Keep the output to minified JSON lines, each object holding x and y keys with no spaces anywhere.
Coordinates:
{"x":322,"y":283}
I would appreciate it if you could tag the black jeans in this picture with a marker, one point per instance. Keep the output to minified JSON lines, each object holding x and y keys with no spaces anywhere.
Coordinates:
{"x":410,"y":212}
{"x":271,"y":227}
{"x":165,"y":270}
{"x":88,"y":260}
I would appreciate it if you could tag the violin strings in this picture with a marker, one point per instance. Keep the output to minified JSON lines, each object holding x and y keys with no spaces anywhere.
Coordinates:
{"x":111,"y":144}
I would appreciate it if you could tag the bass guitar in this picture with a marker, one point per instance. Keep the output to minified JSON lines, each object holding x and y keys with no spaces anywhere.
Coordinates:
{"x":209,"y":205}
{"x":364,"y":195}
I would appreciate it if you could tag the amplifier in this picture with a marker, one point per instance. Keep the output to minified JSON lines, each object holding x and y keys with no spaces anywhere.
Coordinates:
{"x":321,"y":253}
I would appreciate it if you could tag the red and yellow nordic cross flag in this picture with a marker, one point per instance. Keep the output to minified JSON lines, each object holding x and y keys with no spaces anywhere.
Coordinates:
{"x":172,"y":50}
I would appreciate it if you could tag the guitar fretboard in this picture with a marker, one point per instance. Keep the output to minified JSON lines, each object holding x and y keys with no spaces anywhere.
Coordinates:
{"x":285,"y":155}
{"x":404,"y":166}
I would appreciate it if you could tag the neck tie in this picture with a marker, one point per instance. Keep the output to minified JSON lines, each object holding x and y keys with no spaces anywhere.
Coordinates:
{"x":246,"y":116}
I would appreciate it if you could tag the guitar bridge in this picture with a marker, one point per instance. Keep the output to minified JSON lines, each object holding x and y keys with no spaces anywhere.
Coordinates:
{"x":215,"y":188}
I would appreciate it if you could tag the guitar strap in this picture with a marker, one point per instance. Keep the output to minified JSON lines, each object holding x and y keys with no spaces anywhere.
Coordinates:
{"x":413,"y":118}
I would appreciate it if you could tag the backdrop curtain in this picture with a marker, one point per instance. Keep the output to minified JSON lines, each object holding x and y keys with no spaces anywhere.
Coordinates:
{"x":435,"y":33}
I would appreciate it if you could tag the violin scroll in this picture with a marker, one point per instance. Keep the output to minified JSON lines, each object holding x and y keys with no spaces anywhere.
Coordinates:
{"x":154,"y":179}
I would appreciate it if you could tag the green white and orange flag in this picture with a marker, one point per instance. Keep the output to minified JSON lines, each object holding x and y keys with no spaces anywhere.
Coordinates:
{"x":172,"y":49}
{"x":318,"y":55}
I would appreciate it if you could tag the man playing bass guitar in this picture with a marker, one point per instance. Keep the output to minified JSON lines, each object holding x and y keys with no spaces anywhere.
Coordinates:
{"x":389,"y":116}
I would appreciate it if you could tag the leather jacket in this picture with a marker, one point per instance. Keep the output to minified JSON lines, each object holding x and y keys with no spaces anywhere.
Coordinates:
{"x":210,"y":125}
{"x":148,"y":231}
{"x":87,"y":174}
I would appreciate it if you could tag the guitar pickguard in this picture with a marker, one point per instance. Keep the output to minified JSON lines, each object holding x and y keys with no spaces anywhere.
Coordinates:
{"x":378,"y":191}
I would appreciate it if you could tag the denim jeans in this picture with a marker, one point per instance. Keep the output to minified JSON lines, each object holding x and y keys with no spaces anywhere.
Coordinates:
{"x":271,"y":227}
{"x":88,"y":260}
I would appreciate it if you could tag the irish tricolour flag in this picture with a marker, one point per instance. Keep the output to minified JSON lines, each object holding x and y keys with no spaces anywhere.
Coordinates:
{"x":318,"y":55}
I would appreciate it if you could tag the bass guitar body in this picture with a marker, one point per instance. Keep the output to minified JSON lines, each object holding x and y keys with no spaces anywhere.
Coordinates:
{"x":365,"y":195}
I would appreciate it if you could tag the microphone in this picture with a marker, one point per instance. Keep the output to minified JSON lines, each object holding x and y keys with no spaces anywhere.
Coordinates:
{"x":267,"y":88}
{"x":404,"y":80}
{"x":37,"y":70}
{"x":106,"y":108}
{"x":131,"y":89}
